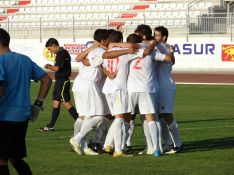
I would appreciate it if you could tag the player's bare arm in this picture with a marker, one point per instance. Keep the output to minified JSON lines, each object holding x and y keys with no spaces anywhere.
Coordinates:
{"x":45,"y":86}
{"x":51,"y":67}
{"x":148,"y":50}
{"x":116,"y":53}
{"x":108,"y":74}
{"x":169,"y":57}
{"x":85,"y":62}
{"x":84,"y":54}
{"x":124,"y":45}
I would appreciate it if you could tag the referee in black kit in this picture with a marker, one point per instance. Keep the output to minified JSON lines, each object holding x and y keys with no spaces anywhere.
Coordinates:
{"x":61,"y":93}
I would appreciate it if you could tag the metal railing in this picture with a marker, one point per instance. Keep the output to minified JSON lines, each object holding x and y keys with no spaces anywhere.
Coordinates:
{"x":74,"y":28}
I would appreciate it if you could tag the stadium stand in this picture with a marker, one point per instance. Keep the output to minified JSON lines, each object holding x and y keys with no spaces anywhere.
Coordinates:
{"x":30,"y":18}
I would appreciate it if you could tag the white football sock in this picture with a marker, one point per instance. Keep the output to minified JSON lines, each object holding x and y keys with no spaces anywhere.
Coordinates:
{"x":154,"y":134}
{"x":77,"y":126}
{"x":125,"y":128}
{"x":174,"y":130}
{"x":110,"y":137}
{"x":118,"y":122}
{"x":84,"y":142}
{"x":147,"y":135}
{"x":165,"y":133}
{"x":159,"y":128}
{"x":87,"y":126}
{"x":130,"y":132}
{"x":98,"y":135}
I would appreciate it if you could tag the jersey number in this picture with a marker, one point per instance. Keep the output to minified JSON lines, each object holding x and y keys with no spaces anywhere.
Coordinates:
{"x":113,"y":65}
{"x":136,"y":65}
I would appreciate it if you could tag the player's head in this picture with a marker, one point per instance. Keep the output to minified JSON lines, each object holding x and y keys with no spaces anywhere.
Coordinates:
{"x":134,"y":38}
{"x":144,"y":31}
{"x":110,"y":31}
{"x":52,"y":45}
{"x":116,"y":37}
{"x":161,"y":34}
{"x":4,"y":38}
{"x":101,"y":36}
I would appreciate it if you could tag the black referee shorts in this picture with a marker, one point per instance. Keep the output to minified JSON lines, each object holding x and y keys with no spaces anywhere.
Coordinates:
{"x":12,"y":136}
{"x":62,"y":90}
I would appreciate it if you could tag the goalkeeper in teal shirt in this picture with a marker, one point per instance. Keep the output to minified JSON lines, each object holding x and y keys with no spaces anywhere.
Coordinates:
{"x":16,"y":73}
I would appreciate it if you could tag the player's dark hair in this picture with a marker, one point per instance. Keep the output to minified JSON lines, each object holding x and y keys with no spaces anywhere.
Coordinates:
{"x":116,"y":37}
{"x":144,"y":30}
{"x":134,"y":38}
{"x":52,"y":41}
{"x":100,"y":34}
{"x":4,"y":38}
{"x":110,"y":31}
{"x":163,"y":30}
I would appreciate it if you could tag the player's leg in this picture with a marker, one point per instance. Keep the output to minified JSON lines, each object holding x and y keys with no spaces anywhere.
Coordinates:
{"x":120,"y":108}
{"x":78,"y":124}
{"x":130,"y":131}
{"x":66,"y":97}
{"x":167,"y":140}
{"x":56,"y":106}
{"x":125,"y":129}
{"x":147,"y":107}
{"x":157,"y":120}
{"x":99,"y":136}
{"x":166,"y":111}
{"x":174,"y":131}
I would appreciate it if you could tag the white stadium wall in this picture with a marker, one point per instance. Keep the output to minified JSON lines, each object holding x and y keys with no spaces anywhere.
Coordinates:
{"x":201,"y":54}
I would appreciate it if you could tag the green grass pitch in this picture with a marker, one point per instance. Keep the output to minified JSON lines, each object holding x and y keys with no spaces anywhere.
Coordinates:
{"x":205,"y":116}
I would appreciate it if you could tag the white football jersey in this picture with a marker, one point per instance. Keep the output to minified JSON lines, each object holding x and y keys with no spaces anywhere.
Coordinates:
{"x":118,"y":66}
{"x":92,"y":73}
{"x":142,"y":77}
{"x":164,"y":69}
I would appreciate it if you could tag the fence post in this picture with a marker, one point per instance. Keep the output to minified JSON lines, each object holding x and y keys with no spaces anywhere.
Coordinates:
{"x":40,"y":32}
{"x":73,"y":28}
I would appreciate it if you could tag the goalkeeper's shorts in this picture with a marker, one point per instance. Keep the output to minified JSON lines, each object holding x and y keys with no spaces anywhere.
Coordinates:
{"x":12,"y":137}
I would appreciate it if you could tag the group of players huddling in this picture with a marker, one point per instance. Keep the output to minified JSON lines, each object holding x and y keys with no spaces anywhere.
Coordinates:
{"x":118,"y":80}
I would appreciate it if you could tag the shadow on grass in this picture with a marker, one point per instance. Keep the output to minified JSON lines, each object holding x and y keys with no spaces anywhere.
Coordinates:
{"x":211,"y":144}
{"x":194,"y":121}
{"x":201,"y":145}
{"x":206,"y":120}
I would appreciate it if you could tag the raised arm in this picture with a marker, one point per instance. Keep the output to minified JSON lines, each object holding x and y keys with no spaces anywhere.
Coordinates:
{"x":84,"y":54}
{"x":150,"y":48}
{"x":124,"y":45}
{"x":117,"y":53}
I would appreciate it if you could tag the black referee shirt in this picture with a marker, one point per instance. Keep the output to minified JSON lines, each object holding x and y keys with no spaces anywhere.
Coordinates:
{"x":63,"y":61}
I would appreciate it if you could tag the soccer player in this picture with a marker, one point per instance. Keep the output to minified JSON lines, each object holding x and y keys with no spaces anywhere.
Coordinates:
{"x":61,"y":93}
{"x":116,"y":91}
{"x":16,"y":73}
{"x":142,"y":84}
{"x":166,"y":94}
{"x":89,"y":98}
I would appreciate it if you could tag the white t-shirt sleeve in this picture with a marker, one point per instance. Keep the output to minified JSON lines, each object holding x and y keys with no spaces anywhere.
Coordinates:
{"x":138,"y":54}
{"x":95,"y":57}
{"x":159,"y":56}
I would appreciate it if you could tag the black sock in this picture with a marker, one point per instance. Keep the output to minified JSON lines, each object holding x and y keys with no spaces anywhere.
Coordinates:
{"x":55,"y":115}
{"x":73,"y":112}
{"x":21,"y":167}
{"x":4,"y":170}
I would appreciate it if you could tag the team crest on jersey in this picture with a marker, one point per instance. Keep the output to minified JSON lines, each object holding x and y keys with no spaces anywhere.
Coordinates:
{"x":48,"y":55}
{"x":228,"y":52}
